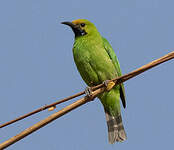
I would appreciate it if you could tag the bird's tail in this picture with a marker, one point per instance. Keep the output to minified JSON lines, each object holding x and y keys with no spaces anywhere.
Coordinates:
{"x":116,"y":132}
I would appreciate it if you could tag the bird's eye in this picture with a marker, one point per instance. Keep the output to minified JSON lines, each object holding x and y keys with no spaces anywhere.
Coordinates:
{"x":82,"y":24}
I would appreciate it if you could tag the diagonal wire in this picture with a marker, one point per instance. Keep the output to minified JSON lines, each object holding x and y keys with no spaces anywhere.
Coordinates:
{"x":83,"y":100}
{"x":118,"y":80}
{"x":41,"y":109}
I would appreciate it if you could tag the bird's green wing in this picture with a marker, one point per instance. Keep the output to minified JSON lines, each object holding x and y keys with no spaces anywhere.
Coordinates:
{"x":115,"y":61}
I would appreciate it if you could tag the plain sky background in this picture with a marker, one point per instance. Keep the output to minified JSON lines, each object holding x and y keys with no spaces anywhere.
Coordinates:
{"x":37,"y":68}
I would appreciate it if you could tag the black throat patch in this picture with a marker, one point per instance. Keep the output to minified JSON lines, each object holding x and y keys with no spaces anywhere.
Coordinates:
{"x":79,"y":32}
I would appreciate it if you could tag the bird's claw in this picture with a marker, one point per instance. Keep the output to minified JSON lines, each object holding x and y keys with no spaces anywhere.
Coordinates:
{"x":88,"y":91}
{"x":109,"y":84}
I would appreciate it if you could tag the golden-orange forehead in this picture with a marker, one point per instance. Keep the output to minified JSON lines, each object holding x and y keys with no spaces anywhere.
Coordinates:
{"x":78,"y":21}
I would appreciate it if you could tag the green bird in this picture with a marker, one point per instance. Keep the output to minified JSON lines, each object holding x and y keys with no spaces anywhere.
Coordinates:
{"x":97,"y":63}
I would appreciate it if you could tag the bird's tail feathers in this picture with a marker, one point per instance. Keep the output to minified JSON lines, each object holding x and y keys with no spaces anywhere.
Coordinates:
{"x":116,"y":132}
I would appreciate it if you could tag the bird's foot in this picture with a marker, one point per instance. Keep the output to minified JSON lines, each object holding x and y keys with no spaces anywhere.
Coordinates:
{"x":109,"y":84}
{"x":88,"y":91}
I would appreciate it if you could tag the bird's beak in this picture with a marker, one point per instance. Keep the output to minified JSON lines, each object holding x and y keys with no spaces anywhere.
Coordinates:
{"x":76,"y":28}
{"x":69,"y":24}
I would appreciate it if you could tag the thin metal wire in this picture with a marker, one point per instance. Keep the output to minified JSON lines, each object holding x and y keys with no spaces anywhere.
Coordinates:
{"x":116,"y":80}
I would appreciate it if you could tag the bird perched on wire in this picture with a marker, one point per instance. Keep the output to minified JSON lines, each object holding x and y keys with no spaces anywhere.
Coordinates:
{"x":97,"y":63}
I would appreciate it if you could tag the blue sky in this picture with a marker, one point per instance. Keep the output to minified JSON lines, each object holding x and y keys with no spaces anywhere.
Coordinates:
{"x":37,"y":68}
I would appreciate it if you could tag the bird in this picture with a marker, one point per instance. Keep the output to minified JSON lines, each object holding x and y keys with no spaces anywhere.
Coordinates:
{"x":97,"y":63}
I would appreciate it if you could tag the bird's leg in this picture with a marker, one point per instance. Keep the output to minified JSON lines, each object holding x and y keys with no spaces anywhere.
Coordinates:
{"x":109,"y":84}
{"x":88,"y":91}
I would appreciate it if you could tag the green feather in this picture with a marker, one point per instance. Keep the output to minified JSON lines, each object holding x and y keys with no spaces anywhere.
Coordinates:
{"x":115,"y":61}
{"x":96,"y":62}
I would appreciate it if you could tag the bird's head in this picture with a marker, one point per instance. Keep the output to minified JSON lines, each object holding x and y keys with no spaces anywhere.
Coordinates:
{"x":81,"y":27}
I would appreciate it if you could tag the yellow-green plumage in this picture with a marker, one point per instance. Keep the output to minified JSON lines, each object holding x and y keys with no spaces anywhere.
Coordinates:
{"x":97,"y":62}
